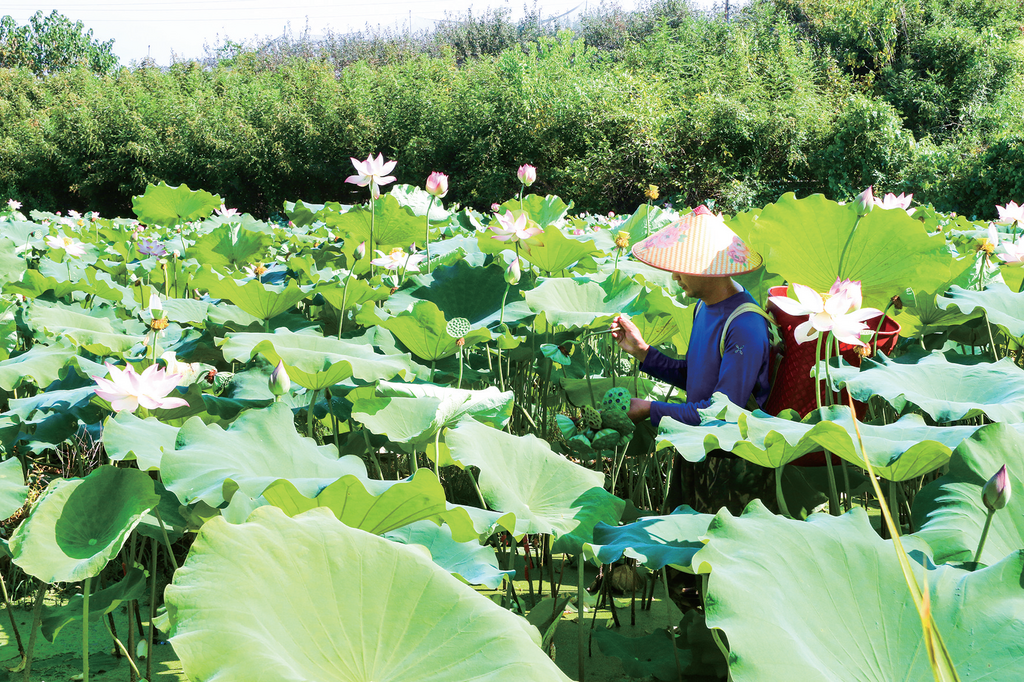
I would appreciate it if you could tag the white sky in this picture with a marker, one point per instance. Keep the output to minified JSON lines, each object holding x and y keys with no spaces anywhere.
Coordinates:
{"x":160,"y":27}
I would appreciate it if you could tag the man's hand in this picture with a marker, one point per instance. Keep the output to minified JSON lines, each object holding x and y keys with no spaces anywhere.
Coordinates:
{"x":639,"y":410}
{"x":628,"y":337}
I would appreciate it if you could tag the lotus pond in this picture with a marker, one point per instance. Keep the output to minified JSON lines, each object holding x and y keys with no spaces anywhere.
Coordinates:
{"x":383,"y":442}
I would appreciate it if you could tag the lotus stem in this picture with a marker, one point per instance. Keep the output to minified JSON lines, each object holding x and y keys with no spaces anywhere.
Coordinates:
{"x":37,"y":617}
{"x":459,"y":385}
{"x":426,"y":234}
{"x":590,"y":385}
{"x":991,"y":339}
{"x":14,"y":624}
{"x":167,"y":540}
{"x":521,"y":188}
{"x":984,"y":535}
{"x":85,"y":629}
{"x":833,"y":498}
{"x":671,"y":628}
{"x":580,"y":567}
{"x":154,"y":549}
{"x":369,"y":247}
{"x":476,"y":487}
{"x":344,"y":300}
{"x":437,"y":454}
{"x":504,"y":297}
{"x":778,"y":492}
{"x":413,"y":464}
{"x":309,"y":415}
{"x":121,"y":648}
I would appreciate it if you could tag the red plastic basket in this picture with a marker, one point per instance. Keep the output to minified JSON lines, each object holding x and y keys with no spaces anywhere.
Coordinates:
{"x":793,"y":387}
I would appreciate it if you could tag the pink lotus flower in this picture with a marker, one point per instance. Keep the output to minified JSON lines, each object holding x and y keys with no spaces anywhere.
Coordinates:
{"x":865,"y":201}
{"x":1010,"y":252}
{"x":437,"y":184}
{"x":892,"y":201}
{"x":372,"y":172}
{"x":1011,"y":213}
{"x":513,"y":229}
{"x":398,"y":259}
{"x":126,"y":390}
{"x":225,"y":211}
{"x":838,"y":312}
{"x":527,"y":174}
{"x":13,"y":205}
{"x":72,"y":247}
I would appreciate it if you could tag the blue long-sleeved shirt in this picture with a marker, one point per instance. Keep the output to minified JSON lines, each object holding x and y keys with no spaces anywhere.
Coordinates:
{"x":741,"y":371}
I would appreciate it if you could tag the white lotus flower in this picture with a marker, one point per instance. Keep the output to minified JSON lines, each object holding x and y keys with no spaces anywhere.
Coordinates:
{"x":1012,"y":252}
{"x":892,"y":201}
{"x":398,"y":259}
{"x":372,"y":172}
{"x":126,"y":390}
{"x":72,"y":247}
{"x":13,"y":205}
{"x":838,"y":312}
{"x":1011,"y":213}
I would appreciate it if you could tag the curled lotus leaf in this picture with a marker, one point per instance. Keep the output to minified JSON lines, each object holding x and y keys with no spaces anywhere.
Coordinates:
{"x":1003,"y":307}
{"x":364,"y":609}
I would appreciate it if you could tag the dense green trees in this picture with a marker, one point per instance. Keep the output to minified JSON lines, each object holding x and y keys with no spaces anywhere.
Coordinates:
{"x":791,"y":95}
{"x":51,"y":43}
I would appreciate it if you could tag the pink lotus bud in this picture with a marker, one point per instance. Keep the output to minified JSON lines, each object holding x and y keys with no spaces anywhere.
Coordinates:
{"x":360,"y":251}
{"x":864,"y":202}
{"x":280,"y":383}
{"x":996,"y":492}
{"x":527,"y":174}
{"x":495,"y":207}
{"x":437,"y":184}
{"x":512,"y":272}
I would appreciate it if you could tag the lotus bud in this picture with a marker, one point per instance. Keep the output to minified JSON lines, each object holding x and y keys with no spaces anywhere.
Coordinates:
{"x":513,"y":272}
{"x":864,"y":202}
{"x":622,"y":239}
{"x":437,"y":184}
{"x":495,"y":207}
{"x":996,"y":492}
{"x":360,"y":251}
{"x":279,"y":383}
{"x":909,"y":298}
{"x":527,"y":174}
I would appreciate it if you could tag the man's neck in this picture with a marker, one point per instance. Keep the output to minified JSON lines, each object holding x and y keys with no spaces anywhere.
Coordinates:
{"x":722,"y":289}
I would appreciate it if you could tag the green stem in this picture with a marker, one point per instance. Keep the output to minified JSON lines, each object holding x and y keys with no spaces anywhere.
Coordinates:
{"x":615,"y":265}
{"x":894,"y":505}
{"x":671,"y":628}
{"x":580,"y":567}
{"x":521,"y":188}
{"x":37,"y":617}
{"x":167,"y":540}
{"x":504,"y":297}
{"x":833,"y":498}
{"x":123,"y":649}
{"x":984,"y":535}
{"x":846,"y":246}
{"x":590,"y":386}
{"x":783,"y":509}
{"x":14,"y":624}
{"x":991,"y":339}
{"x":154,"y":549}
{"x":476,"y":487}
{"x":344,"y":300}
{"x":369,"y":248}
{"x":426,"y":234}
{"x":460,"y":368}
{"x":437,"y":454}
{"x":85,"y":629}
{"x":309,"y":415}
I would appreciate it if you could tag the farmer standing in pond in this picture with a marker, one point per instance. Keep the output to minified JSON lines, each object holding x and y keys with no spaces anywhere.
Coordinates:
{"x":728,"y":353}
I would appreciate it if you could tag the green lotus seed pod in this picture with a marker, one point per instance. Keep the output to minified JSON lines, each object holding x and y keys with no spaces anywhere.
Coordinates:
{"x":591,"y":418}
{"x":616,"y":398}
{"x":606,"y":439}
{"x":458,"y":327}
{"x":617,"y":419}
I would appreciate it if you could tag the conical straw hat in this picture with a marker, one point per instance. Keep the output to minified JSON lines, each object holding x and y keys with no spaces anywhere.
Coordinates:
{"x":698,"y":244}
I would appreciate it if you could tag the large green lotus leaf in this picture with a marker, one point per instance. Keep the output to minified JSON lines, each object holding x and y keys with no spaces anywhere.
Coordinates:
{"x":552,"y":251}
{"x":474,"y":563}
{"x":260,"y":447}
{"x":423,"y":330}
{"x":654,"y":541}
{"x":544,"y":211}
{"x":34,"y":284}
{"x":900,"y":451}
{"x":101,"y":602}
{"x":13,"y":491}
{"x":416,"y":199}
{"x":1013,"y":276}
{"x":164,"y":205}
{"x":648,"y":657}
{"x":645,"y":221}
{"x":86,"y":328}
{"x":1004,"y":307}
{"x":127,"y":437}
{"x":395,"y":226}
{"x":825,"y":599}
{"x":926,"y":317}
{"x":462,"y":290}
{"x":316,"y":362}
{"x":949,"y":511}
{"x":580,"y":303}
{"x":946,"y":391}
{"x":78,"y":525}
{"x":303,"y":213}
{"x":755,"y":436}
{"x":473,"y":523}
{"x":815,"y":240}
{"x":229,"y":247}
{"x":364,"y":609}
{"x":546,"y":492}
{"x":263,"y":301}
{"x":358,"y":292}
{"x":41,"y":366}
{"x":414,"y":413}
{"x":374,"y":506}
{"x":12,"y":266}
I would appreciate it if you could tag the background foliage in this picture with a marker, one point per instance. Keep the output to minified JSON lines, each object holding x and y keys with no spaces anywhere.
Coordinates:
{"x":923,"y":96}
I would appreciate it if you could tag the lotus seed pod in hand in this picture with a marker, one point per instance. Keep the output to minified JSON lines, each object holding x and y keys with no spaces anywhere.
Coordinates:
{"x":996,"y":492}
{"x":280,"y":383}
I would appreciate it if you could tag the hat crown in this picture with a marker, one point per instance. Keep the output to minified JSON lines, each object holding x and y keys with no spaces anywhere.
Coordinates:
{"x":700,"y":243}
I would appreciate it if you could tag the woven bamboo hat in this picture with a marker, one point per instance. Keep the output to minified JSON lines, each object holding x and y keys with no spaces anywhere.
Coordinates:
{"x":698,"y":244}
